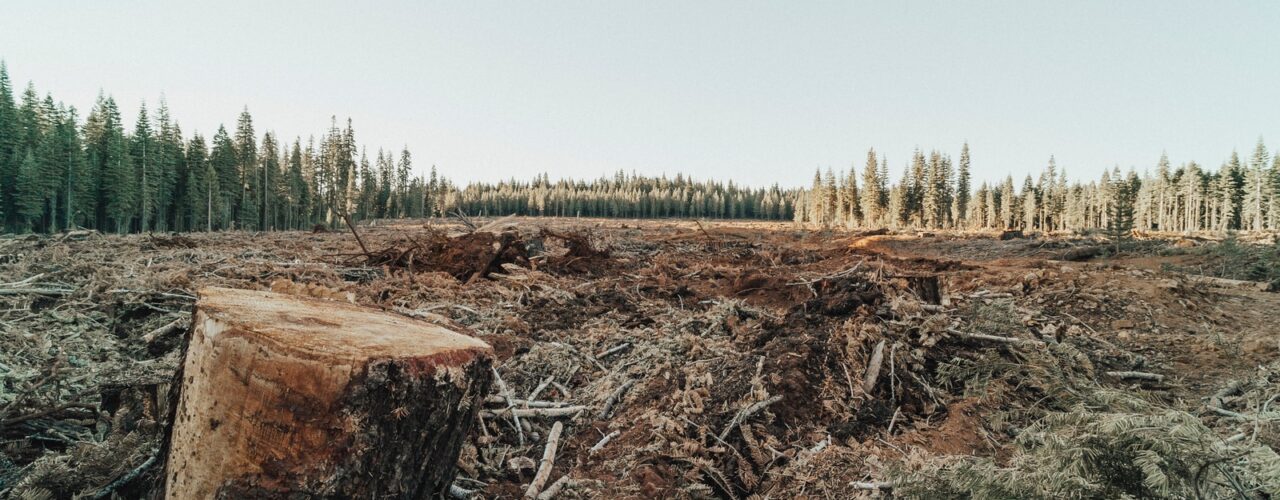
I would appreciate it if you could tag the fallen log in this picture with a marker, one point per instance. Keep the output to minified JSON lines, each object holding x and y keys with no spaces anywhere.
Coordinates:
{"x":1080,"y":254}
{"x":993,"y":338}
{"x":288,"y":396}
{"x":1153,"y":377}
{"x":1230,"y":283}
{"x":548,"y":460}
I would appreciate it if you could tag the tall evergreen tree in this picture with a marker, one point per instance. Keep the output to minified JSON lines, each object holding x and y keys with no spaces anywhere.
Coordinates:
{"x":141,"y":145}
{"x":9,"y":160}
{"x":960,"y":204}
{"x":248,"y":196}
{"x":1256,"y":186}
{"x":870,"y":199}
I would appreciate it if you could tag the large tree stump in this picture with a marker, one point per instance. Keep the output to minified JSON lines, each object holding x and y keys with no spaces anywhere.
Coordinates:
{"x":285,"y":396}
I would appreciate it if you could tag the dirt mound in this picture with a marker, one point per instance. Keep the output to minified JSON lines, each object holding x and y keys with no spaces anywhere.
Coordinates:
{"x":467,"y":257}
{"x":580,"y":255}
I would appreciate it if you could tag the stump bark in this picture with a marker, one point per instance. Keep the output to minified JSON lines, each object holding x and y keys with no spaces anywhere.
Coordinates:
{"x":284,"y":396}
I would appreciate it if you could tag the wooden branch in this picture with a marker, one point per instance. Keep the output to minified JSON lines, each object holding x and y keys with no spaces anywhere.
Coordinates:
{"x":873,"y":368}
{"x":1154,"y":377}
{"x":1230,"y":283}
{"x":615,"y":398}
{"x":462,"y":217}
{"x":872,"y":486}
{"x":747,"y":412}
{"x":107,"y":491}
{"x":347,"y":219}
{"x":555,"y":488}
{"x":502,"y":387}
{"x":614,"y":350}
{"x":168,"y":328}
{"x":548,"y":460}
{"x":524,"y":403}
{"x":495,"y":224}
{"x":564,"y":411}
{"x":993,"y":338}
{"x":541,"y":386}
{"x":603,"y":441}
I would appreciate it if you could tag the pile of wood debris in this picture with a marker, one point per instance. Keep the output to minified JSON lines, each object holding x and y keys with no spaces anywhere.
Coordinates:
{"x":668,"y":359}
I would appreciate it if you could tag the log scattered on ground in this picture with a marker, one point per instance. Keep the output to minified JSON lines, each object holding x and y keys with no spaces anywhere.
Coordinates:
{"x":1154,"y":377}
{"x":287,"y":395}
{"x":1080,"y":253}
{"x":548,"y":460}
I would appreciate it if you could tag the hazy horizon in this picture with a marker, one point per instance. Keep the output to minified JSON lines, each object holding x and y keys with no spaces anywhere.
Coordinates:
{"x":758,"y":94}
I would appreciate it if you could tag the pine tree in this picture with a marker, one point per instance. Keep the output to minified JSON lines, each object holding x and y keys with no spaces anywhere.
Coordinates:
{"x":1273,"y":195}
{"x":872,"y":210}
{"x":915,"y":188}
{"x":9,"y":161}
{"x":931,"y":199}
{"x":269,"y":173}
{"x":850,"y":205}
{"x":141,"y":145}
{"x":30,"y":203}
{"x":299,"y":190}
{"x":1029,"y":204}
{"x":1007,"y":203}
{"x":225,"y":164}
{"x":1120,"y":211}
{"x":1256,"y":185}
{"x":118,"y":191}
{"x":202,"y":182}
{"x":960,"y":204}
{"x":402,"y":179}
{"x":248,"y":197}
{"x":166,"y":160}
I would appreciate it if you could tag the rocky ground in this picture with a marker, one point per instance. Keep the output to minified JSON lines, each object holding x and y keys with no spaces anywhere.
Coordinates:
{"x":701,"y":359}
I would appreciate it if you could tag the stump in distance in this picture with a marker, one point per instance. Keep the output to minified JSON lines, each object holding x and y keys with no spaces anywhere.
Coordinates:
{"x":284,"y":396}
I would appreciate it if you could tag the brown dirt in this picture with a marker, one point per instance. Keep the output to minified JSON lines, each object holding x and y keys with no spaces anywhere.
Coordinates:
{"x":717,"y":318}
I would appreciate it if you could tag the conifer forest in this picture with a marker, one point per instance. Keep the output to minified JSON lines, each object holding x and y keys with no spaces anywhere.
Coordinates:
{"x":61,"y":171}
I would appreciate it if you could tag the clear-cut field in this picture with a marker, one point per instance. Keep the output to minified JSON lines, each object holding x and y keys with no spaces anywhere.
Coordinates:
{"x":723,"y":359}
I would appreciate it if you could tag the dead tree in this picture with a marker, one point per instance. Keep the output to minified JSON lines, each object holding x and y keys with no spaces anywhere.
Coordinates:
{"x":286,"y":396}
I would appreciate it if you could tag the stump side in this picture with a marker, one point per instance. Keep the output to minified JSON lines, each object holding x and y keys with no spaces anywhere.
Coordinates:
{"x":284,"y":395}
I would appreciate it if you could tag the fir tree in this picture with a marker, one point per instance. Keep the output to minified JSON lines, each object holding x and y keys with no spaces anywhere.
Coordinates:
{"x":247,"y":195}
{"x":30,"y":203}
{"x":870,"y":198}
{"x":141,"y":145}
{"x":1256,"y":186}
{"x":960,"y":204}
{"x":9,"y":160}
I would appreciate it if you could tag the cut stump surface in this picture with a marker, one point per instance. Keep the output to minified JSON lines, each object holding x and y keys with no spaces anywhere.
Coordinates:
{"x":283,"y":395}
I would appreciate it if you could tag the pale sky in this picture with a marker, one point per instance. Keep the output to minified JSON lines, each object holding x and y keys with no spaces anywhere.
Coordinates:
{"x":759,"y":92}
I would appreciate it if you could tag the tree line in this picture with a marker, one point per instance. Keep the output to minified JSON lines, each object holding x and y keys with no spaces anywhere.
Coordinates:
{"x":59,"y":172}
{"x":934,"y":192}
{"x":624,"y":195}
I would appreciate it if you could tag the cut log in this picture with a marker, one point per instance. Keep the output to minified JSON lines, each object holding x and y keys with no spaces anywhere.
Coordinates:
{"x":1080,"y":254}
{"x":285,"y":396}
{"x":1229,"y":283}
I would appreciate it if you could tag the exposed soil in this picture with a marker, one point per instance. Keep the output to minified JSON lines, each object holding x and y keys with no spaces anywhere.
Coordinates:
{"x":734,"y":358}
